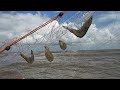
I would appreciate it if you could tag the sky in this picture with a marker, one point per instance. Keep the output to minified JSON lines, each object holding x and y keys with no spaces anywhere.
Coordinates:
{"x":103,"y":33}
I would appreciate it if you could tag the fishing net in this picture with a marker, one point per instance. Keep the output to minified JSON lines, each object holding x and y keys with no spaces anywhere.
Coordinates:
{"x":54,"y":32}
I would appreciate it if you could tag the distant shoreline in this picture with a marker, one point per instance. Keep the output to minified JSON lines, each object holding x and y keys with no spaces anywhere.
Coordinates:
{"x":99,"y":50}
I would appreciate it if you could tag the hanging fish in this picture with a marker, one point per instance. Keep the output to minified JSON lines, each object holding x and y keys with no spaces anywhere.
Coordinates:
{"x":28,"y":59}
{"x":83,"y":30}
{"x":62,"y":44}
{"x":48,"y":54}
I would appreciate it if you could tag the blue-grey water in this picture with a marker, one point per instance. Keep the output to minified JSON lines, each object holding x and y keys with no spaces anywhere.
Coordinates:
{"x":103,"y":64}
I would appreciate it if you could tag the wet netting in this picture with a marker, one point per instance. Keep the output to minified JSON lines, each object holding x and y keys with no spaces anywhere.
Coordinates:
{"x":70,"y":37}
{"x":48,"y":35}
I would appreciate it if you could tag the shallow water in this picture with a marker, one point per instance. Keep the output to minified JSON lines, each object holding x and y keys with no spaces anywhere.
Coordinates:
{"x":103,"y":64}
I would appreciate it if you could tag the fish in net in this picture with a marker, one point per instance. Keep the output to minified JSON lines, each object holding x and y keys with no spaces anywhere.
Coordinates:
{"x":62,"y":44}
{"x":50,"y":35}
{"x":48,"y":54}
{"x":28,"y":59}
{"x":83,"y":30}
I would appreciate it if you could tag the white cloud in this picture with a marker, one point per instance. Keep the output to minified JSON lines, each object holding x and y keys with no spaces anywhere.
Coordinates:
{"x":97,"y":37}
{"x":107,"y":16}
{"x":12,"y":25}
{"x":44,"y":35}
{"x":58,"y":11}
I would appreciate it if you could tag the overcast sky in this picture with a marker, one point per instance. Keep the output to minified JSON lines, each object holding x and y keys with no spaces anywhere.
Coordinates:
{"x":103,"y":33}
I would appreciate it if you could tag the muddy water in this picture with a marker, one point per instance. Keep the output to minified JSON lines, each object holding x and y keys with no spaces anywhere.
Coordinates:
{"x":70,"y":65}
